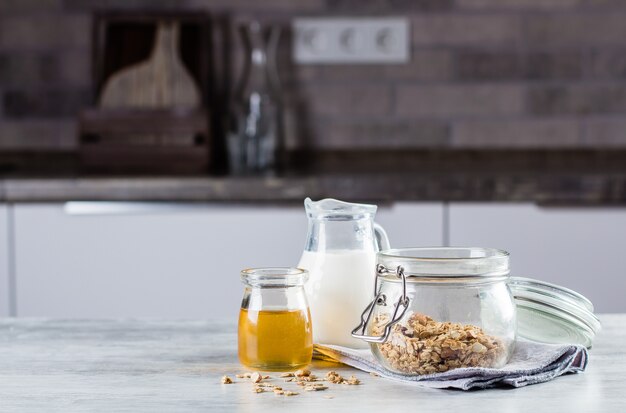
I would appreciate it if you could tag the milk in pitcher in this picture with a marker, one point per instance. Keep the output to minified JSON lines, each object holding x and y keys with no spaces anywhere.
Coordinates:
{"x":340,"y":255}
{"x":335,"y":298}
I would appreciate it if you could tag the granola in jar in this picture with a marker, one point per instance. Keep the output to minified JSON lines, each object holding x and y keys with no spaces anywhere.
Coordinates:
{"x":421,"y":345}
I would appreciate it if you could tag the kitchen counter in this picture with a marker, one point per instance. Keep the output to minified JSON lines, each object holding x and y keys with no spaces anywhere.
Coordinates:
{"x":561,"y":178}
{"x":141,"y":365}
{"x":569,"y":189}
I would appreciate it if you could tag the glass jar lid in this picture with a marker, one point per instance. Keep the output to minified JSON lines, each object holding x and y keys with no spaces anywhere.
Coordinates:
{"x":553,"y":314}
{"x":551,"y":290}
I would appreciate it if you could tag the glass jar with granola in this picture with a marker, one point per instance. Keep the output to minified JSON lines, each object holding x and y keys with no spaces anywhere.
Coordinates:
{"x":437,"y":309}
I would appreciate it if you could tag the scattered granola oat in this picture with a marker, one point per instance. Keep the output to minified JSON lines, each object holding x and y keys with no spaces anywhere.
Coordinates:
{"x":309,"y":378}
{"x":302,"y":373}
{"x":315,"y":387}
{"x":303,"y":378}
{"x":353,"y":381}
{"x":422,"y":345}
{"x":333,"y":377}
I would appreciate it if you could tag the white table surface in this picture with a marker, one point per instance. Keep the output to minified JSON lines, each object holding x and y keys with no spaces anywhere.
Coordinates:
{"x":176,"y":366}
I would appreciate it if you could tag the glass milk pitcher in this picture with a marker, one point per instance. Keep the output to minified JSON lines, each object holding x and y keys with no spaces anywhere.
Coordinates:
{"x":340,"y":255}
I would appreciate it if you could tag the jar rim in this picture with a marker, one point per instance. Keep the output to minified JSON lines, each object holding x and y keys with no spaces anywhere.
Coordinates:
{"x":447,"y":262}
{"x":274,"y":277}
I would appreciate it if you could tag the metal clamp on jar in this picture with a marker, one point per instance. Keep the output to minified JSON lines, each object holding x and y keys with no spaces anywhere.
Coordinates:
{"x":436,"y":309}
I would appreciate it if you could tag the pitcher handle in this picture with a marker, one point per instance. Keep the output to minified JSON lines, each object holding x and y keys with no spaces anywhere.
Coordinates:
{"x":382,"y":240}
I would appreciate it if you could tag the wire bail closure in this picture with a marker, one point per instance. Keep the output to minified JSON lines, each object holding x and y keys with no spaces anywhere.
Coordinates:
{"x":381,"y":299}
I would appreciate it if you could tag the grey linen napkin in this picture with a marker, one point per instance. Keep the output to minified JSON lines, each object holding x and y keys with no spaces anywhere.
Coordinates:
{"x":531,"y":363}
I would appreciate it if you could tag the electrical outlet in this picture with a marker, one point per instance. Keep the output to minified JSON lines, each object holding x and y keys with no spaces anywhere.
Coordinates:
{"x":351,"y":40}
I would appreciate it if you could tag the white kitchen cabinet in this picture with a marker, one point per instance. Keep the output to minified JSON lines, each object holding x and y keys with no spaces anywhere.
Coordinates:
{"x":4,"y":261}
{"x":152,"y":263}
{"x":411,"y":224}
{"x":181,"y":263}
{"x":580,"y":248}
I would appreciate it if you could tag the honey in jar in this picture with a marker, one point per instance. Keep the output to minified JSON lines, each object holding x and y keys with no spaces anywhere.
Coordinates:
{"x":274,"y":322}
{"x":275,"y":340}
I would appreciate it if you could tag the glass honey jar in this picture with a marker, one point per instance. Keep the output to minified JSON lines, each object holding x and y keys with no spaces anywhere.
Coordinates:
{"x":274,"y":321}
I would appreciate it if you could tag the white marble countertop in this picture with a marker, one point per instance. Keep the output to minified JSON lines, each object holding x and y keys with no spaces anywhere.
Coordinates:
{"x":176,"y":366}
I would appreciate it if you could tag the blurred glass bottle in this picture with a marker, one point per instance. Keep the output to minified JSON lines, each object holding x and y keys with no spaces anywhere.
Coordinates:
{"x":254,"y":132}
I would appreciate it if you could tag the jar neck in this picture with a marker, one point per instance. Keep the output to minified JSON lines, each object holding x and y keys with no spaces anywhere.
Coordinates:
{"x":261,"y":298}
{"x":444,"y":264}
{"x":259,"y":79}
{"x":254,"y":289}
{"x":274,"y":277}
{"x":440,"y":281}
